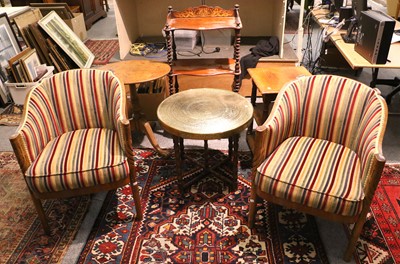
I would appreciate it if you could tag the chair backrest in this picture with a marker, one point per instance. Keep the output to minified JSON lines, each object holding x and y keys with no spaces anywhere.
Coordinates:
{"x":337,"y":109}
{"x":331,"y":107}
{"x":68,"y":101}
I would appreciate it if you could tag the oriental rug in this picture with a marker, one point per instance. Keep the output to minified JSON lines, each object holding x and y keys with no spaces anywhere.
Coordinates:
{"x":103,"y":50}
{"x":204,"y":224}
{"x":379,"y":242}
{"x":22,"y":239}
{"x":11,"y":115}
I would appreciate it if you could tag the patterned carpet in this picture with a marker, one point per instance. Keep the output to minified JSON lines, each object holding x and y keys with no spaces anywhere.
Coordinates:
{"x":11,"y":115}
{"x":205,"y":224}
{"x":103,"y":50}
{"x":22,"y":239}
{"x":380,"y":239}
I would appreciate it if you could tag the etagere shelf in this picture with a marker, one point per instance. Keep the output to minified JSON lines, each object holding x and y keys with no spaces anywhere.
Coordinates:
{"x":202,"y":18}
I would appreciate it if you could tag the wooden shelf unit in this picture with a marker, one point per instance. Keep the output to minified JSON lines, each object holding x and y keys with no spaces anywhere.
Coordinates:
{"x":202,"y":18}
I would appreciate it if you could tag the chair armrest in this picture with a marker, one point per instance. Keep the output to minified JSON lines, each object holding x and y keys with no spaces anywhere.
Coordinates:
{"x":280,"y":125}
{"x":21,"y":151}
{"x":125,"y":137}
{"x":38,"y":126}
{"x":369,"y":142}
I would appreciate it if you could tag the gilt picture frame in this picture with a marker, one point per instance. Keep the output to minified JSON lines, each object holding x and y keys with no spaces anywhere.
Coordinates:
{"x":62,"y":9}
{"x":29,"y":64}
{"x":9,"y":45}
{"x":69,"y":42}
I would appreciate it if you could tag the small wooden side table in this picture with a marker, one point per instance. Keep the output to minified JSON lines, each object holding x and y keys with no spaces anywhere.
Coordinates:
{"x":205,"y":114}
{"x":139,"y":71}
{"x":268,"y":82}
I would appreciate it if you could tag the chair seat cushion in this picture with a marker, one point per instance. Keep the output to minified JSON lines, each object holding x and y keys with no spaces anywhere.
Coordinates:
{"x":77,"y":159}
{"x":313,"y":172}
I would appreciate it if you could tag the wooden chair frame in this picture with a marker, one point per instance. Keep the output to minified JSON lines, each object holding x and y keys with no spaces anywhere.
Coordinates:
{"x":260,"y":154}
{"x":21,"y":152}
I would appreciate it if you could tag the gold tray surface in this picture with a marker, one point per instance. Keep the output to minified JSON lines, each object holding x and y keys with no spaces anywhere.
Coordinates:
{"x":205,"y":113}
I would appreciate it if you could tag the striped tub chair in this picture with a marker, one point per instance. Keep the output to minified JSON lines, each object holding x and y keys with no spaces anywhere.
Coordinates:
{"x":75,"y":139}
{"x":320,"y":150}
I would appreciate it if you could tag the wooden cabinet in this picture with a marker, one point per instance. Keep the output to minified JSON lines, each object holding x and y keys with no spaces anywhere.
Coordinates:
{"x":92,"y":10}
{"x":203,"y":18}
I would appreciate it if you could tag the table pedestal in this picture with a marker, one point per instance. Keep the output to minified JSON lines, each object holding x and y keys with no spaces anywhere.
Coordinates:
{"x":206,"y":114}
{"x":139,"y":122}
{"x":134,"y":72}
{"x":232,"y":159}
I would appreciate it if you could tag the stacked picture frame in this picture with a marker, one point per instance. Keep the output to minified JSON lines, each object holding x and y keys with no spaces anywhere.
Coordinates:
{"x":9,"y":47}
{"x":23,"y":66}
{"x":40,"y":41}
{"x":62,"y":9}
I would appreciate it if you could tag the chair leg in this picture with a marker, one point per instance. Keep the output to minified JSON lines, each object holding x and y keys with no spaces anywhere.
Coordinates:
{"x":135,"y":193}
{"x":354,"y":237}
{"x":41,"y":213}
{"x":252,"y":206}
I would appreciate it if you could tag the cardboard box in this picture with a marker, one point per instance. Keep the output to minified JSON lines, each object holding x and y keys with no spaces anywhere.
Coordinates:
{"x":149,"y":103}
{"x":77,"y":24}
{"x":185,"y":40}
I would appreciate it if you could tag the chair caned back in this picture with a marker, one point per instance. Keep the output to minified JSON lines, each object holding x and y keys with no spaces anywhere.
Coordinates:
{"x":68,"y":101}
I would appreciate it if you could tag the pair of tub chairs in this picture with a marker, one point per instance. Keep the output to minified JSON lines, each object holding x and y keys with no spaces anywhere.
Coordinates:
{"x":318,"y":152}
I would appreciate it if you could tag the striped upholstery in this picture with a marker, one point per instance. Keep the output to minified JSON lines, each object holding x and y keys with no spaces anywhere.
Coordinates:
{"x":332,"y":109}
{"x":77,"y":159}
{"x":314,"y":172}
{"x":74,"y":107}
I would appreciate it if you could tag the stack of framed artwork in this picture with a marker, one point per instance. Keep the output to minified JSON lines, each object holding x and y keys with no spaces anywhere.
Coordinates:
{"x":9,"y":47}
{"x":23,"y":66}
{"x":66,"y":39}
{"x":62,"y":9}
{"x":48,"y":42}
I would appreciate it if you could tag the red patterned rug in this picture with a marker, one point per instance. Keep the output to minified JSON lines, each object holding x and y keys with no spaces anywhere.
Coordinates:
{"x":380,"y":239}
{"x":103,"y":50}
{"x":206,"y":224}
{"x":22,"y":239}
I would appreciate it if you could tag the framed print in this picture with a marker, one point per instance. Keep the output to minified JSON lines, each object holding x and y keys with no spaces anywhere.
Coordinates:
{"x":9,"y":45}
{"x":29,"y":63}
{"x":69,"y":42}
{"x":62,"y":9}
{"x":14,"y":64}
{"x":3,"y":94}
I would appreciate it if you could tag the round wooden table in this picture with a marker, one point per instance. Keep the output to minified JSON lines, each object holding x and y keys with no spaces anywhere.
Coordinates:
{"x":205,"y":114}
{"x":134,"y":72}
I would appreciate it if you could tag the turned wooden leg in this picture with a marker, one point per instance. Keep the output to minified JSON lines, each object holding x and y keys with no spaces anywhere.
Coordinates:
{"x":135,"y":193}
{"x":355,"y":234}
{"x":152,"y":138}
{"x":235,"y":157}
{"x":41,"y":213}
{"x":178,"y":160}
{"x":140,"y":122}
{"x":205,"y":156}
{"x":252,"y":206}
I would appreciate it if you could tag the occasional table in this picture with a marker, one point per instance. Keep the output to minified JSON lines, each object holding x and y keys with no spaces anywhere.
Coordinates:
{"x":268,"y":82}
{"x":133,"y":72}
{"x":205,"y":114}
